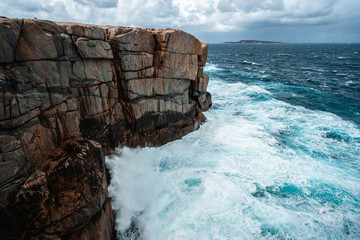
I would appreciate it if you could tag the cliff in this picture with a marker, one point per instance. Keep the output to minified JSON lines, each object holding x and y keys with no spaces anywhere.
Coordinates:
{"x":69,"y":94}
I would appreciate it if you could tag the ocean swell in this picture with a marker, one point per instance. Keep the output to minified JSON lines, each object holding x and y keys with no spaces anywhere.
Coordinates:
{"x":259,"y":168}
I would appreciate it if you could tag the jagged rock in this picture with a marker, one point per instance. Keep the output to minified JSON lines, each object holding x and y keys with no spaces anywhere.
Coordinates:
{"x":88,"y":72}
{"x":100,"y":226}
{"x":37,"y":44}
{"x":201,"y":83}
{"x":181,"y":66}
{"x":71,"y":92}
{"x":84,"y":30}
{"x":204,"y":99}
{"x":47,"y":199}
{"x":9,"y":35}
{"x":136,"y":62}
{"x":136,"y":40}
{"x":143,"y":73}
{"x":177,"y":41}
{"x":151,"y":87}
{"x":204,"y":52}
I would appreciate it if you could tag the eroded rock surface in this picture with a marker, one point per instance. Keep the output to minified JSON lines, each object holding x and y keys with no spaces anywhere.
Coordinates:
{"x":70,"y":93}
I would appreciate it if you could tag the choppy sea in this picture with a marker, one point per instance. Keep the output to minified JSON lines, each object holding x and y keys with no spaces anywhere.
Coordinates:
{"x":278,"y":157}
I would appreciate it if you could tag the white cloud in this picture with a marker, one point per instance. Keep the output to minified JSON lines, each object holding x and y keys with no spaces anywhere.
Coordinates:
{"x":99,"y":3}
{"x":202,"y":17}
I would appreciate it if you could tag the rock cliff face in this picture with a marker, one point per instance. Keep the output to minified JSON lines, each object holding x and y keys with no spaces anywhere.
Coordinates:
{"x":70,"y":93}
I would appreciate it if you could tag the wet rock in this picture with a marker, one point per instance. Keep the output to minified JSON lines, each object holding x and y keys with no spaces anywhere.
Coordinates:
{"x":47,"y":199}
{"x":201,"y":83}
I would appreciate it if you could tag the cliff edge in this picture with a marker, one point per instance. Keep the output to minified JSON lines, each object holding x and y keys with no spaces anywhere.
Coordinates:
{"x":69,"y":94}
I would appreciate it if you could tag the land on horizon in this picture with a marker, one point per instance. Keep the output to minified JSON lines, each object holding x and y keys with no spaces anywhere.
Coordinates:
{"x":251,"y":42}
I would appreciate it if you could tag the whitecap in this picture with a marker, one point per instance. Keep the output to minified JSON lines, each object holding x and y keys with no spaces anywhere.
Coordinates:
{"x":284,"y":54}
{"x":204,"y":185}
{"x":252,"y":63}
{"x":341,"y":57}
{"x":212,"y":68}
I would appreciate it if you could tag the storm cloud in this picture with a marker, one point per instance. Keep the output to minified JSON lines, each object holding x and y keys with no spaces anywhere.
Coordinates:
{"x":209,"y":20}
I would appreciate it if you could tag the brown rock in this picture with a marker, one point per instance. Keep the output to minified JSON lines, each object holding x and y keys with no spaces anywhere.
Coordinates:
{"x":178,"y":41}
{"x":100,"y":226}
{"x":136,"y":62}
{"x":180,"y":66}
{"x":83,"y":30}
{"x":70,"y":50}
{"x":20,"y":120}
{"x":49,"y":73}
{"x":151,"y":87}
{"x":93,"y":48}
{"x":76,"y":91}
{"x":49,"y":192}
{"x":203,"y":56}
{"x":9,"y":36}
{"x":35,"y":43}
{"x":92,"y":72}
{"x":201,"y":83}
{"x":154,"y":105}
{"x":204,"y":100}
{"x":137,"y":40}
{"x":143,"y":73}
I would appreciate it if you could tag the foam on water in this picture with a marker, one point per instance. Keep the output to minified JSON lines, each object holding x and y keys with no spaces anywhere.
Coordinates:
{"x":259,"y":168}
{"x":212,"y":68}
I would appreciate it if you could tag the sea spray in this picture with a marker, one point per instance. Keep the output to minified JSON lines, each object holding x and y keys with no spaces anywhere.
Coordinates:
{"x":261,"y":167}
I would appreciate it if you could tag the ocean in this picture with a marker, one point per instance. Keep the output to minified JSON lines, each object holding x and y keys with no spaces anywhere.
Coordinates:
{"x":277,"y":158}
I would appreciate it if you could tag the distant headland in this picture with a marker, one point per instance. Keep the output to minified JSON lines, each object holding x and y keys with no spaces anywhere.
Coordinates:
{"x":250,"y":42}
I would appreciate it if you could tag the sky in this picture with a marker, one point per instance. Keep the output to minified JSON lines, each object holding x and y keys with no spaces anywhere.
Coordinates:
{"x":213,"y":21}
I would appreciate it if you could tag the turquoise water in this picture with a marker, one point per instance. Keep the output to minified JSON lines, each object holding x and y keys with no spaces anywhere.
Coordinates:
{"x":278,"y":158}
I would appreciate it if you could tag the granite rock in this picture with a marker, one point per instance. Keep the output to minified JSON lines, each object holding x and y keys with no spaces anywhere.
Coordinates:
{"x":70,"y":93}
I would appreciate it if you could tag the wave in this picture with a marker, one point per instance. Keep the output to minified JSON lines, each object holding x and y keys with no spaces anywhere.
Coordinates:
{"x":251,"y":63}
{"x":257,"y":169}
{"x":212,"y":68}
{"x":314,"y":69}
{"x":341,"y":57}
{"x":285,"y":54}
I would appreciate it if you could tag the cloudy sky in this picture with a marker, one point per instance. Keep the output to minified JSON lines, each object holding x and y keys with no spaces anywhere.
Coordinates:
{"x":209,"y":20}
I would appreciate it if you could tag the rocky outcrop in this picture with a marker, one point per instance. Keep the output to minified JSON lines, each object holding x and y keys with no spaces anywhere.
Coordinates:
{"x":69,"y":94}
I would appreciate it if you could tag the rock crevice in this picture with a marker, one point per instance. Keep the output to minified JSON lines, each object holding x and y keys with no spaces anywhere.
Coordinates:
{"x":70,"y":93}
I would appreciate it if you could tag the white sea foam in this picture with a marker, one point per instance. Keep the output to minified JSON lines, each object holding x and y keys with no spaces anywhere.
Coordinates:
{"x":212,"y":68}
{"x":252,"y":63}
{"x":285,"y":54}
{"x":255,"y":170}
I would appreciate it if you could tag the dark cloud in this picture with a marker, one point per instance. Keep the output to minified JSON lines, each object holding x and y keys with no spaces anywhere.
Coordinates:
{"x":225,"y":6}
{"x":209,"y":20}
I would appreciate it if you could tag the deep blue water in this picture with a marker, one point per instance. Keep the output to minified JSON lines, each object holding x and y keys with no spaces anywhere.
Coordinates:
{"x":322,"y":77}
{"x":278,"y":158}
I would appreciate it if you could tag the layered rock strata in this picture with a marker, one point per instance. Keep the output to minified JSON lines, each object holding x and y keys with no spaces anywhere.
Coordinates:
{"x":70,"y":93}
